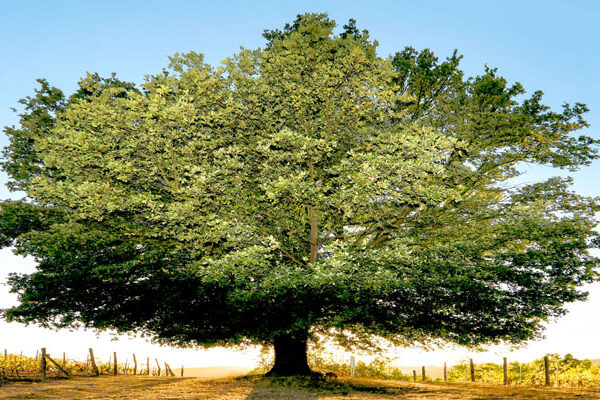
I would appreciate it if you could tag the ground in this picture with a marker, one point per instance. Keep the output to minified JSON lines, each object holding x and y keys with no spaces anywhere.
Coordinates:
{"x":255,"y":387}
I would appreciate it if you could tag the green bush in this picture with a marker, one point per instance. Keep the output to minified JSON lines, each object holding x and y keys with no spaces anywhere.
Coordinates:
{"x":565,"y":371}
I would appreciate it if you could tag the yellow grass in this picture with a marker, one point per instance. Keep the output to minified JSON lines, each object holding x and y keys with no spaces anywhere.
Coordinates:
{"x":255,"y":387}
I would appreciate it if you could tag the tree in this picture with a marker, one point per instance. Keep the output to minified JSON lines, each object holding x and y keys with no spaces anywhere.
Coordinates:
{"x":309,"y":189}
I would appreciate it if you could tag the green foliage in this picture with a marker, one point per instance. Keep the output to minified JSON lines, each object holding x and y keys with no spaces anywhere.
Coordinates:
{"x":379,"y":368}
{"x":17,"y":365}
{"x":323,"y":361}
{"x":564,"y":371}
{"x":308,"y":186}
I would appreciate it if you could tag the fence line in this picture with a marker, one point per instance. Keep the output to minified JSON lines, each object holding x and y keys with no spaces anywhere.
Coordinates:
{"x":550,"y":370}
{"x":15,"y":367}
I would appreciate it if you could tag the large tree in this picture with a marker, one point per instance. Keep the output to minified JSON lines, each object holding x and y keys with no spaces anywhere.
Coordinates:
{"x":307,"y":189}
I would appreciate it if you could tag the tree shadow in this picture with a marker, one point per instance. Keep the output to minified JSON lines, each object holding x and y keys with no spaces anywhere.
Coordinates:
{"x":280,"y":389}
{"x":306,"y":388}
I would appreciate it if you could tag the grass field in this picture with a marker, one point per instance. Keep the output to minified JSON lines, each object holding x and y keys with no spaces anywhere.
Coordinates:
{"x":254,"y":387}
{"x":211,"y":372}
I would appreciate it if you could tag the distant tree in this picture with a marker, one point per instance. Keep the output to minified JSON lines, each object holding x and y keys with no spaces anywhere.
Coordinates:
{"x":308,"y":189}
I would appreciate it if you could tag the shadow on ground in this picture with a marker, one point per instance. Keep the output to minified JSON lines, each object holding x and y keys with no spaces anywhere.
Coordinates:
{"x":260,"y":388}
{"x":329,"y":389}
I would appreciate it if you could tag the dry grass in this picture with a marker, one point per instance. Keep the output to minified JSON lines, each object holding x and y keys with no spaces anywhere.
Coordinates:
{"x":255,"y":387}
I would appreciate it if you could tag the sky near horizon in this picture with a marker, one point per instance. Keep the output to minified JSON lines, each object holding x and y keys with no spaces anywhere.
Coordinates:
{"x":549,"y":45}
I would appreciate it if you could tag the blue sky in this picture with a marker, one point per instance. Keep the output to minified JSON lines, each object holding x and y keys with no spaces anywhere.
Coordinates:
{"x":547,"y":45}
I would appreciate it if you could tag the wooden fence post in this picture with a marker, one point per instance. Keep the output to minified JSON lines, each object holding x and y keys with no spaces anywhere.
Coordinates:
{"x":423,"y":373}
{"x":57,"y":365}
{"x":93,"y":362}
{"x":182,"y":370}
{"x":472,"y":370}
{"x":158,"y":366}
{"x":43,"y":363}
{"x":134,"y":365}
{"x":115,"y":372}
{"x":520,"y":373}
{"x":445,"y":373}
{"x":415,"y":375}
{"x":505,"y":367}
{"x":148,"y":364}
{"x":547,"y":370}
{"x":168,"y":370}
{"x":6,"y":353}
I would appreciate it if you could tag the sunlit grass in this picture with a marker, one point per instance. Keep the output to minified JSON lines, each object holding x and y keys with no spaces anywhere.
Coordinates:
{"x":258,"y":387}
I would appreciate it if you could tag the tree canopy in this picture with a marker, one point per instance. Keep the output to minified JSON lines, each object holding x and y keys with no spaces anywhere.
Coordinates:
{"x":309,"y":187}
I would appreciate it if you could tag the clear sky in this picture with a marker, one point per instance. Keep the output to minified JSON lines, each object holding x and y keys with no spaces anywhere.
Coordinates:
{"x":545,"y":44}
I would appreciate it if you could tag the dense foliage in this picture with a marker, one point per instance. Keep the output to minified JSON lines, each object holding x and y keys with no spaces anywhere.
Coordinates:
{"x":564,"y":371}
{"x":319,"y":359}
{"x":307,"y":187}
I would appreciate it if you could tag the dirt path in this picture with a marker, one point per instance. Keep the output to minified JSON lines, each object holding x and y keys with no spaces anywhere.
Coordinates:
{"x":252,"y":388}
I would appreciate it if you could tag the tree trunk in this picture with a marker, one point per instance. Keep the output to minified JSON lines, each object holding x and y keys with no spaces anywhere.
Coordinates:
{"x":290,"y":356}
